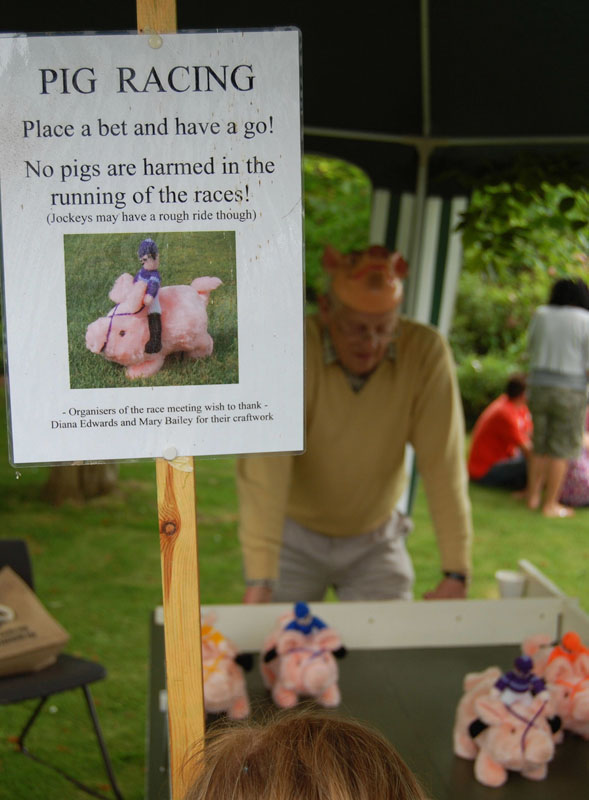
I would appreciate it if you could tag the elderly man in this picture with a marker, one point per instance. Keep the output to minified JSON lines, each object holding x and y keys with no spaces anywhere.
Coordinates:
{"x":374,"y":382}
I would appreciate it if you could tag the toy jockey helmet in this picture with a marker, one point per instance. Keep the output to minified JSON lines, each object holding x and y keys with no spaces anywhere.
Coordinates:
{"x":523,"y":664}
{"x":367,"y":280}
{"x":302,"y":613}
{"x":147,"y":248}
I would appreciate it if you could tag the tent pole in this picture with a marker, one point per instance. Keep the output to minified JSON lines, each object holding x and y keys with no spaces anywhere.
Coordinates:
{"x":424,"y":150}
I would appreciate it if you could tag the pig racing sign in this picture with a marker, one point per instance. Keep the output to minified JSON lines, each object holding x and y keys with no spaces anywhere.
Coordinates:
{"x":152,"y":244}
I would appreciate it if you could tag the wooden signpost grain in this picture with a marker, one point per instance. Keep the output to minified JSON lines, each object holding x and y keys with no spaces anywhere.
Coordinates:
{"x":179,"y":558}
{"x":176,"y":497}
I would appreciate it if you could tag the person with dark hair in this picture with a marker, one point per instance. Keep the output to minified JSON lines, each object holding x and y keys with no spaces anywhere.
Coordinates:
{"x":149,"y":273}
{"x":311,"y":756}
{"x":558,"y":345}
{"x":500,"y":441}
{"x":568,"y":292}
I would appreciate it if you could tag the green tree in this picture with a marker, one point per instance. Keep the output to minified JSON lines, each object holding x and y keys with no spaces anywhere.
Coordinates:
{"x":519,"y":237}
{"x":337,"y":212}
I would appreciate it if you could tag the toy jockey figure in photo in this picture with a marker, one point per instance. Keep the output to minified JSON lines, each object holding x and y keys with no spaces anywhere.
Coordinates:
{"x":375,"y":381}
{"x":150,"y":260}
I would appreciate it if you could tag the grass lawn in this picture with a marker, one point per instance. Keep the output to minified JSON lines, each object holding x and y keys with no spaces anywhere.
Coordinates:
{"x":97,"y":570}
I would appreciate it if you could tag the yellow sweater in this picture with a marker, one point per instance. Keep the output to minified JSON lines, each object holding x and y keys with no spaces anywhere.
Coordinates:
{"x":352,"y":474}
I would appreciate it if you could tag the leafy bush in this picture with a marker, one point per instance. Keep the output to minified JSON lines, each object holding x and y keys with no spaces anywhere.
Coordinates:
{"x":517,"y":242}
{"x":337,"y":212}
{"x":481,"y":380}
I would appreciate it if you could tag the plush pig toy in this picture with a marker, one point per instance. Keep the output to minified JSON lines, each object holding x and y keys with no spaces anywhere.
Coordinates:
{"x":121,"y":336}
{"x":223,"y":674}
{"x":299,"y":659}
{"x":475,"y":685}
{"x":514,"y":737}
{"x":565,"y":667}
{"x":500,"y":735}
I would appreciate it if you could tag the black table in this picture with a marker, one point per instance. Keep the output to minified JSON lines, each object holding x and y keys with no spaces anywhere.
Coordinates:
{"x":411,"y":696}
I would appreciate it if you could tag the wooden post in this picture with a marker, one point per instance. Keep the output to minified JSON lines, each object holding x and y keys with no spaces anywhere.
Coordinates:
{"x":156,"y":16}
{"x":179,"y":557}
{"x":176,"y":495}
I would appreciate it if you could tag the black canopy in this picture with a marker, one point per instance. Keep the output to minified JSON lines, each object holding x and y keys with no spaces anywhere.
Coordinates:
{"x":468,"y":85}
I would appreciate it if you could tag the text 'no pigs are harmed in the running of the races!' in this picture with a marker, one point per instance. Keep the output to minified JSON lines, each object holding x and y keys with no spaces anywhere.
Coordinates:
{"x":73,"y":185}
{"x":164,"y":416}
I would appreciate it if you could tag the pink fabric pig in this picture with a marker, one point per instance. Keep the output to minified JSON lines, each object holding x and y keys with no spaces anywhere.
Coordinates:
{"x":295,"y":664}
{"x":565,"y":668}
{"x":224,"y":683}
{"x":518,"y":738}
{"x":475,"y":684}
{"x":121,"y":336}
{"x":500,"y":736}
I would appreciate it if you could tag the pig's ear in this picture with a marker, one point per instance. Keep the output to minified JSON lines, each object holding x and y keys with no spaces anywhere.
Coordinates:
{"x":245,"y":661}
{"x":134,"y":298}
{"x":121,"y":287}
{"x":472,"y":679}
{"x":331,"y":258}
{"x":490,"y":710}
{"x":533,"y":644}
{"x":328,"y":639}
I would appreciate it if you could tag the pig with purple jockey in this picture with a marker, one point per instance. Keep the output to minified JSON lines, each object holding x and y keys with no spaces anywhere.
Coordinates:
{"x":121,"y":336}
{"x":501,"y":733}
{"x":517,"y":737}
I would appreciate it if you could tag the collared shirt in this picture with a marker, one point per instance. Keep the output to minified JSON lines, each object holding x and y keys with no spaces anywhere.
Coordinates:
{"x":356,"y":382}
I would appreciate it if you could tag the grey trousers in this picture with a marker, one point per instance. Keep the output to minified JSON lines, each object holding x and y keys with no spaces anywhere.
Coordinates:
{"x":372,"y":566}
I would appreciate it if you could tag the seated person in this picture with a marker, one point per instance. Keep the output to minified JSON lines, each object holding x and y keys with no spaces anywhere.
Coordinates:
{"x":501,"y":440}
{"x":575,"y":489}
{"x":301,"y":755}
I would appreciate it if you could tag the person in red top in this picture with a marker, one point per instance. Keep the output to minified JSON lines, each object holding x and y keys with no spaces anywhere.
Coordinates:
{"x":501,"y":440}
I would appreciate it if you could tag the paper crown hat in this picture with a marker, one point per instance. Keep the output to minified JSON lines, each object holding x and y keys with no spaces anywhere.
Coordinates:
{"x":366,"y":280}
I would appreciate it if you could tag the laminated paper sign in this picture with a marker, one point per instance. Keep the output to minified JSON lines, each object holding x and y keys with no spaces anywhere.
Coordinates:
{"x":151,"y":196}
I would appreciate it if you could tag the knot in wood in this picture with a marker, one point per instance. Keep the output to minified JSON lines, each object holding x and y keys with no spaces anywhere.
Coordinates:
{"x":169,"y":528}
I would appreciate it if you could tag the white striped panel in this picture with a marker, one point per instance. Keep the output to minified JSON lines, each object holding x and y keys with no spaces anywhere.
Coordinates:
{"x":379,"y":221}
{"x":453,"y":266}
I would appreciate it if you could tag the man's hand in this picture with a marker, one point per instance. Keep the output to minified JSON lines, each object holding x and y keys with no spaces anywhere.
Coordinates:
{"x":257,"y":594}
{"x":447,"y":589}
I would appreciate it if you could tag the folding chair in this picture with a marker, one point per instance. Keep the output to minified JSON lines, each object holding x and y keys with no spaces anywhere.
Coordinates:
{"x":68,"y":673}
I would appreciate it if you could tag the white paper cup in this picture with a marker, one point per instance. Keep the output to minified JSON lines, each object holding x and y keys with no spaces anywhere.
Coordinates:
{"x":511,"y":583}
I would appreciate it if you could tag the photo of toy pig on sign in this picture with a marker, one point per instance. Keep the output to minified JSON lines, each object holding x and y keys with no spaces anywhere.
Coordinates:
{"x":152,"y":244}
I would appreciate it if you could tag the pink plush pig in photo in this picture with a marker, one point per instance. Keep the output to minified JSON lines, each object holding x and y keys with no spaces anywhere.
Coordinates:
{"x":121,"y":336}
{"x":300,"y":660}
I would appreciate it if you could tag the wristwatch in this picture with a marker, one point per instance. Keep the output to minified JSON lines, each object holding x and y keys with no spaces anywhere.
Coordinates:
{"x":457,"y":576}
{"x":266,"y":583}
